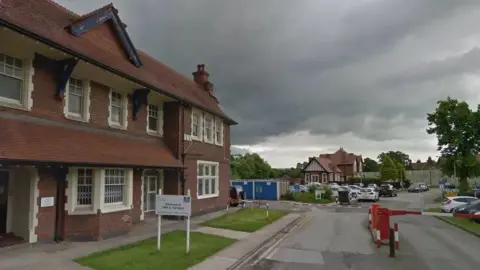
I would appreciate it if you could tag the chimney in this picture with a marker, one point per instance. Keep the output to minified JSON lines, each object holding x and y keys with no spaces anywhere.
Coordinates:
{"x":201,"y":78}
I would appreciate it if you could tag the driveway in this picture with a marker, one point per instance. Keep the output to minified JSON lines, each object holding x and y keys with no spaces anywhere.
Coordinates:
{"x":335,"y":238}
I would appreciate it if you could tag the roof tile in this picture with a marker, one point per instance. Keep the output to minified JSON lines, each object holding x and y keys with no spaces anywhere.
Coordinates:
{"x":48,"y":20}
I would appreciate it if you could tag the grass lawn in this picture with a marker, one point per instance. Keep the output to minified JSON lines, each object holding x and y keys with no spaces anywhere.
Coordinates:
{"x":461,"y":222}
{"x":308,"y":197}
{"x":172,"y":256}
{"x":245,"y":220}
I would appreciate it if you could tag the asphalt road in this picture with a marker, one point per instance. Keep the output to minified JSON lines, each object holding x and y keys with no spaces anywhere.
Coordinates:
{"x":336,"y":238}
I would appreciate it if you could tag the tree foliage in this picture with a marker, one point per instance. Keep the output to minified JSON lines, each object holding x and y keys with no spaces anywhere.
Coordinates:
{"x":370,"y":165}
{"x":457,"y":129}
{"x":397,"y":156}
{"x":388,"y":170}
{"x":251,"y":166}
{"x":400,"y":170}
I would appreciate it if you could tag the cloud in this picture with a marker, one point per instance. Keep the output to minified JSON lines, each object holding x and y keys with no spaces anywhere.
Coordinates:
{"x":365,"y":71}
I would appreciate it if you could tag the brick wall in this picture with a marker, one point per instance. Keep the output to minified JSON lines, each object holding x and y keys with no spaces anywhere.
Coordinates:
{"x":47,"y":187}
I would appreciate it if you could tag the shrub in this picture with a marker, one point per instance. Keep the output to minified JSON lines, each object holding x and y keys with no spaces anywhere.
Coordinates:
{"x":328,"y":193}
{"x":312,"y":188}
{"x":287,"y":196}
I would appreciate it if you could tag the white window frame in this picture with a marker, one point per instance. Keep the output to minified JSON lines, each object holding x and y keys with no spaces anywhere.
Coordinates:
{"x":307,"y":178}
{"x":28,"y":71}
{"x":123,"y":124}
{"x":218,"y":129}
{"x":315,"y":178}
{"x":85,"y":116}
{"x":159,"y":131}
{"x":204,"y":178}
{"x":199,"y":114}
{"x":98,"y":200}
{"x":211,"y":128}
{"x":324,"y":178}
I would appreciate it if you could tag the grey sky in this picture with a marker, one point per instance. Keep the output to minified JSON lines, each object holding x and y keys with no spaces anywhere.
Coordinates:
{"x":307,"y":76}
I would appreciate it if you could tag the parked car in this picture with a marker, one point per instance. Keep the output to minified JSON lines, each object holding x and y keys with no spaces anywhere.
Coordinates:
{"x":414,"y":188}
{"x":388,"y":190}
{"x":355,"y":190}
{"x":472,"y":206}
{"x":423,"y":186}
{"x":359,"y":184}
{"x":450,"y":203}
{"x":368,"y":194}
{"x":237,"y":196}
{"x":372,"y":186}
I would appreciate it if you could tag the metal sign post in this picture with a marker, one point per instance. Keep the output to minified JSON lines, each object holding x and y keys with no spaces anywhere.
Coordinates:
{"x":159,"y":225}
{"x":173,"y":205}
{"x":188,"y":226}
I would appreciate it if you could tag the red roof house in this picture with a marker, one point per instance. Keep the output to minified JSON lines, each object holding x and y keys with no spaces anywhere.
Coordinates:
{"x":91,"y":128}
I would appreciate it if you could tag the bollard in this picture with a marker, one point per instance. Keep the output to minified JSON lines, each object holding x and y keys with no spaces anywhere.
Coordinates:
{"x":391,"y":243}
{"x":397,"y":238}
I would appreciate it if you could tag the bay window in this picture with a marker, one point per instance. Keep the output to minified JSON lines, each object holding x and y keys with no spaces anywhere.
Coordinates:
{"x":107,"y":190}
{"x":207,"y":179}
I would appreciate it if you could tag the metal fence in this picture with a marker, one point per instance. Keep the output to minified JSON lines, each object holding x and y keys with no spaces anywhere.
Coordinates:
{"x":429,"y":177}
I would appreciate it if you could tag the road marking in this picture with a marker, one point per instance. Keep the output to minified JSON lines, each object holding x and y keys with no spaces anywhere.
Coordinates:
{"x":267,"y":254}
{"x":274,"y":248}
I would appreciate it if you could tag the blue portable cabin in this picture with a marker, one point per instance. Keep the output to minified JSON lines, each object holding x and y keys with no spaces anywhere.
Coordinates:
{"x":262,"y":189}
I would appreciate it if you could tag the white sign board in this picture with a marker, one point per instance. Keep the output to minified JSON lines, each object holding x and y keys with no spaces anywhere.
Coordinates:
{"x":47,"y":202}
{"x":173,"y":205}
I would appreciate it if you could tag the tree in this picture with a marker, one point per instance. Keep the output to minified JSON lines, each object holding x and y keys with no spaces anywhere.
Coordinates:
{"x":457,"y":129}
{"x":398,"y":156}
{"x":251,"y":166}
{"x":370,"y":165}
{"x":400,"y":170}
{"x":388,"y":170}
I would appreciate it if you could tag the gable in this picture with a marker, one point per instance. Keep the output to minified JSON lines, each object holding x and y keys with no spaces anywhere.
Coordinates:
{"x":105,"y":29}
{"x":314,"y":166}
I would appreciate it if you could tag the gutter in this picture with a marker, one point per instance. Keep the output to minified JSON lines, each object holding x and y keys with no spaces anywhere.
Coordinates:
{"x":85,"y":58}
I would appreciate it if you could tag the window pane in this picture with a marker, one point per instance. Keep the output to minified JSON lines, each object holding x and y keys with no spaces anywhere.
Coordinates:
{"x":200,"y":170}
{"x":116,"y":115}
{"x":151,"y":201}
{"x":213,"y":186}
{"x":200,"y":187}
{"x":10,"y":87}
{"x":153,"y":184}
{"x":114,"y":185}
{"x":207,"y":186}
{"x":213,"y":170}
{"x":152,"y":123}
{"x":75,"y":104}
{"x":84,"y":186}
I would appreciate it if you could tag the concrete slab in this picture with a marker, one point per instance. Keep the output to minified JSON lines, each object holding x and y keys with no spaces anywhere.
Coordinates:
{"x":298,"y":256}
{"x":223,"y":232}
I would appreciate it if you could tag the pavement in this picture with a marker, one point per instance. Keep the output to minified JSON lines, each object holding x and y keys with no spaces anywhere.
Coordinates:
{"x":60,"y":256}
{"x":311,"y":237}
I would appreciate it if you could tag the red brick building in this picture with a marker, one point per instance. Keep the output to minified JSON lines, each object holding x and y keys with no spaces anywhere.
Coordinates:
{"x":91,"y":128}
{"x":350,"y":164}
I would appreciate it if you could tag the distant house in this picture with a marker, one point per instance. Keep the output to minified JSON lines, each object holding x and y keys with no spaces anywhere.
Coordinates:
{"x":350,"y":165}
{"x":321,"y":170}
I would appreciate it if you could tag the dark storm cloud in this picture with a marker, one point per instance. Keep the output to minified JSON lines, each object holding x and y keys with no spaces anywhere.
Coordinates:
{"x":280,"y":66}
